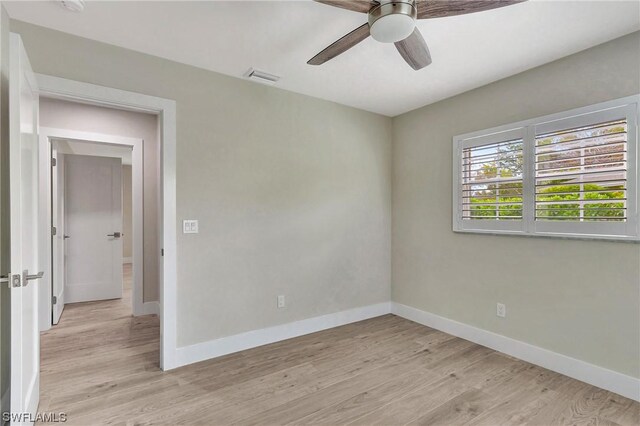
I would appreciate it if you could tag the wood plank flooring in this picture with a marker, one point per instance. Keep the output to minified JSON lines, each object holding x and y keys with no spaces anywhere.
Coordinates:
{"x":100,"y":366}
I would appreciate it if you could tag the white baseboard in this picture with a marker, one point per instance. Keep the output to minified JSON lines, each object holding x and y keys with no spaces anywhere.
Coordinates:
{"x":251,"y":339}
{"x":580,"y":370}
{"x":127,"y":260}
{"x":598,"y":376}
{"x":150,"y":308}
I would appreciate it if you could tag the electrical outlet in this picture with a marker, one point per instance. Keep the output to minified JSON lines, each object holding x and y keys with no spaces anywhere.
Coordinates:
{"x":281,"y":302}
{"x":501,"y":310}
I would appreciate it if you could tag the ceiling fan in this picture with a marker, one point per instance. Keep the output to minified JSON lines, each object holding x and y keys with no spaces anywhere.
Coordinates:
{"x":394,"y":21}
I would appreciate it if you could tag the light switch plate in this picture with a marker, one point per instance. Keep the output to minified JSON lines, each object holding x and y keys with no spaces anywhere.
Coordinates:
{"x":189,"y":226}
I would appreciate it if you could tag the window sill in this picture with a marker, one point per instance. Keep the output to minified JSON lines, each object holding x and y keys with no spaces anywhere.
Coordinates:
{"x":553,"y":235}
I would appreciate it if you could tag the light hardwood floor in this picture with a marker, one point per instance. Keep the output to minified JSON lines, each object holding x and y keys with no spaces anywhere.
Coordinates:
{"x":100,"y":365}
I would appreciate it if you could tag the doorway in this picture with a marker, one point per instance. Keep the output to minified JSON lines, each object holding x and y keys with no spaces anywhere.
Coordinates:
{"x":92,"y":222}
{"x":28,"y":166}
{"x":86,"y":218}
{"x":165,"y":111}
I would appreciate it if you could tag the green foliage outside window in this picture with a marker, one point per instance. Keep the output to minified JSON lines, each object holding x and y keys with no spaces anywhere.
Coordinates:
{"x":504,"y":200}
{"x":591,"y":210}
{"x":482,"y":207}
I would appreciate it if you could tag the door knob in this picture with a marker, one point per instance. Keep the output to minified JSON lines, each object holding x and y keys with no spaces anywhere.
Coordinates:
{"x":114,"y":235}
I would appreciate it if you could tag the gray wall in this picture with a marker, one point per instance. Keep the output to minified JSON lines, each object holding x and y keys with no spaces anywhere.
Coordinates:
{"x":578,"y":298}
{"x":88,"y":118}
{"x":293,"y":194}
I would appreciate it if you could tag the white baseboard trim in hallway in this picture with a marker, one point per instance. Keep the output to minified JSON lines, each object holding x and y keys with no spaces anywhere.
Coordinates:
{"x":594,"y":375}
{"x":214,"y":348}
{"x":150,"y":308}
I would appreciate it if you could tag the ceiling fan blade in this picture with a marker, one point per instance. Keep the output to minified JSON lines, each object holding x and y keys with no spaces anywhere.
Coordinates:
{"x":341,"y":45}
{"x":414,"y":50}
{"x":441,"y":8}
{"x":362,"y":6}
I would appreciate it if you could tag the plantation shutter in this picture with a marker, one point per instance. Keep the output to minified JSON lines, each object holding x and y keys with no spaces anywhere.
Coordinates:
{"x":571,"y":174}
{"x":491,"y":181}
{"x":581,"y":173}
{"x":585,"y":174}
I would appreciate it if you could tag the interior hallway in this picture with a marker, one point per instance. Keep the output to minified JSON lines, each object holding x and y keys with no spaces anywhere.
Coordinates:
{"x":93,"y":348}
{"x":100,"y":365}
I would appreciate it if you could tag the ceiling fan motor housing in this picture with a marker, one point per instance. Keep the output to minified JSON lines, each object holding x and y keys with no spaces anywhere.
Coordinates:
{"x":393,"y":21}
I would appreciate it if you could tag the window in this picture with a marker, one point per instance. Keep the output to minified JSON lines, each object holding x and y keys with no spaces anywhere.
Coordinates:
{"x":492,"y":181}
{"x":581,"y":174}
{"x":571,"y":174}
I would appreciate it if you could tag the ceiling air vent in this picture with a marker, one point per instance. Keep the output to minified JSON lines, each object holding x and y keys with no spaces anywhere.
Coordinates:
{"x":261,"y":77}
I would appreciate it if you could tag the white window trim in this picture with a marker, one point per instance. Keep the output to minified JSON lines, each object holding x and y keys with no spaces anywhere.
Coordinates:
{"x":528,"y":226}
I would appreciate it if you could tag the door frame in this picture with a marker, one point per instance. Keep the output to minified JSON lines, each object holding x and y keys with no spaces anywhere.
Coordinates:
{"x":165,"y":109}
{"x":47,"y":136}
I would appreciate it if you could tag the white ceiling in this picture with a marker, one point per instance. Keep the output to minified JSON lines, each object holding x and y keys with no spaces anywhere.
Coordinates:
{"x":280,"y":36}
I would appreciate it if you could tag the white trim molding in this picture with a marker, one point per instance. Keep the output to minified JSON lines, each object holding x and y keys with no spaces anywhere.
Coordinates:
{"x":613,"y":381}
{"x":251,"y":339}
{"x":47,"y":136}
{"x":165,"y":109}
{"x":150,"y":308}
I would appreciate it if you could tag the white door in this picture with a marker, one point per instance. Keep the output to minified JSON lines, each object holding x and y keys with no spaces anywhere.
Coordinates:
{"x":59,"y":238}
{"x":93,"y":211}
{"x":23,"y":200}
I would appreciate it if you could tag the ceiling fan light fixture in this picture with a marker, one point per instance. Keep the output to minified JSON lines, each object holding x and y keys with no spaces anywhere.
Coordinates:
{"x":392,"y":22}
{"x":392,"y":28}
{"x":73,"y":5}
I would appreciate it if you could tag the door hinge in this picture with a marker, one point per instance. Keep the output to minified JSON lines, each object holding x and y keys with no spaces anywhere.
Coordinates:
{"x":161,"y":252}
{"x":54,"y":162}
{"x":54,"y":300}
{"x":54,"y":231}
